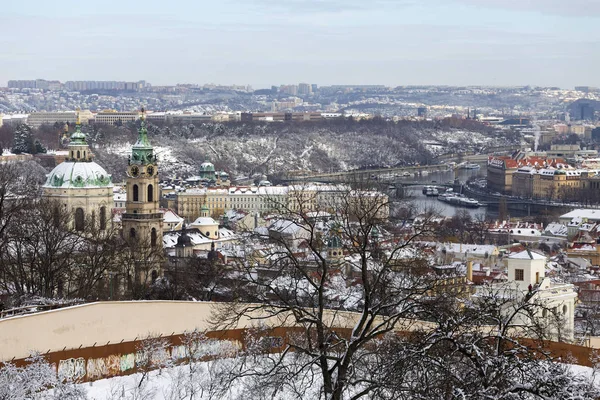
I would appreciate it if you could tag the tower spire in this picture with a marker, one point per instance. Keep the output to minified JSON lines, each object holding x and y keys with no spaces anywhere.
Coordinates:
{"x":78,"y":146}
{"x":78,"y":137}
{"x":142,"y":151}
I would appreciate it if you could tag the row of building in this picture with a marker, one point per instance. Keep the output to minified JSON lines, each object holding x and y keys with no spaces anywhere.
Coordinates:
{"x":36,"y":119}
{"x":265,"y":199}
{"x":547,"y":176}
{"x":43,"y":84}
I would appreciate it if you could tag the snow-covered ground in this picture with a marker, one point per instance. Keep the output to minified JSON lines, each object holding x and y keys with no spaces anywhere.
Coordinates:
{"x":170,"y":383}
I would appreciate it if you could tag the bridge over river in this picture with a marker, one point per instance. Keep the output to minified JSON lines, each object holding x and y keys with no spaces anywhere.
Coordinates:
{"x":385,"y":174}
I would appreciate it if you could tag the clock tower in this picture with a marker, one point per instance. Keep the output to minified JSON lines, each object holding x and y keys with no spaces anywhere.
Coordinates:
{"x":143,"y":221}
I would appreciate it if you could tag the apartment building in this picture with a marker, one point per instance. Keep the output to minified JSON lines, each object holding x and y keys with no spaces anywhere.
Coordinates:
{"x":109,"y":117}
{"x":37,"y":119}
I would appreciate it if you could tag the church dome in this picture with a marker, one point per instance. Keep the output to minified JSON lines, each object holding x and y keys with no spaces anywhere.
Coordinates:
{"x":207,"y":167}
{"x":73,"y":174}
{"x":204,"y":221}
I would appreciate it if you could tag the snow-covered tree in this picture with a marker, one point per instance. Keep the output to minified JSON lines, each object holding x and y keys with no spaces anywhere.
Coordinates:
{"x":344,"y":269}
{"x":407,"y":337}
{"x":23,"y":140}
{"x":36,"y":380}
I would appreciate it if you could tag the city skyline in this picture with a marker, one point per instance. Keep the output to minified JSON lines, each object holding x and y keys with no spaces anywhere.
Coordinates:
{"x":457,"y":42}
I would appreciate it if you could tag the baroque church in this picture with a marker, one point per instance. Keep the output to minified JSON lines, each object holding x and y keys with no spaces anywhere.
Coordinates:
{"x":80,"y":185}
{"x":85,"y":190}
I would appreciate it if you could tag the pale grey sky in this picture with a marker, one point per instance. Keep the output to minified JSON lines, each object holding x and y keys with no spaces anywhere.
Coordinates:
{"x":272,"y":42}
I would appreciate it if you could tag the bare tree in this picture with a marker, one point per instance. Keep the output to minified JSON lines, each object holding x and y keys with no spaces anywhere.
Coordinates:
{"x":334,"y":266}
{"x":37,"y":258}
{"x":478,"y":351}
{"x":141,"y":266}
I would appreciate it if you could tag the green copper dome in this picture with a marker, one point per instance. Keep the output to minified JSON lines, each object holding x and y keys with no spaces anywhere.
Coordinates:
{"x":78,"y":137}
{"x":142,"y":151}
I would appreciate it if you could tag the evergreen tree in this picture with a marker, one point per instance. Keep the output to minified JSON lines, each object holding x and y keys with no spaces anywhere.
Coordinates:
{"x":38,"y":147}
{"x":23,"y":140}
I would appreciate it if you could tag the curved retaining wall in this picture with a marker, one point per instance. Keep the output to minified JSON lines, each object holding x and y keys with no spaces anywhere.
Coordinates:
{"x":99,"y":340}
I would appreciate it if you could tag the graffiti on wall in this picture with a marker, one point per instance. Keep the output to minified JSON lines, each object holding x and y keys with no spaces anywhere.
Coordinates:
{"x":127,"y":362}
{"x":103,"y":367}
{"x":96,"y":368}
{"x":71,"y":369}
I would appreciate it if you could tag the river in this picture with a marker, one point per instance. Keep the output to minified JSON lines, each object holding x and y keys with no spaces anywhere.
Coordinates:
{"x":427,"y":203}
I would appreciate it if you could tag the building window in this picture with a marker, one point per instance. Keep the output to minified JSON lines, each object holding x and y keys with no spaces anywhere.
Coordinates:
{"x":519,"y":275}
{"x":150,"y":193}
{"x":78,"y":154}
{"x":79,"y":219}
{"x":102,"y":218}
{"x":136,"y":194}
{"x":132,"y":233}
{"x":153,"y":237}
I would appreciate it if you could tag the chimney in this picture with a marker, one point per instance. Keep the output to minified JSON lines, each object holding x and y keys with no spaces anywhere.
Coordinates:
{"x":470,"y":270}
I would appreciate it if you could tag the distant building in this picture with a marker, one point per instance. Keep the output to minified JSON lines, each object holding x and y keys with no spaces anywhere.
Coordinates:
{"x":289,"y":89}
{"x":106,"y":85}
{"x":37,"y":119}
{"x":586,"y":89}
{"x":584,"y":110}
{"x":545,"y":183}
{"x":501,"y":169}
{"x":14,"y":119}
{"x":260,"y":199}
{"x":422,"y":112}
{"x":109,"y":117}
{"x":573,"y":220}
{"x":35,"y":84}
{"x":22,"y":84}
{"x":281,"y":116}
{"x":304,"y":89}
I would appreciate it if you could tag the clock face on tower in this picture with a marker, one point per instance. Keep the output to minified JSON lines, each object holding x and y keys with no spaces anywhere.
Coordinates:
{"x":150,"y":170}
{"x":134,"y":170}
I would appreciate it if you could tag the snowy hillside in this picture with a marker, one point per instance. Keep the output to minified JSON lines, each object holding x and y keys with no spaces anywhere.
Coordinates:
{"x":250,"y":149}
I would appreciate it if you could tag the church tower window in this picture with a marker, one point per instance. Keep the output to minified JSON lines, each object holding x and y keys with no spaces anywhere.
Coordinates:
{"x":153,"y":237}
{"x":132,"y":233}
{"x":79,"y":219}
{"x":150,"y":193}
{"x":136,"y":195}
{"x":103,"y":218}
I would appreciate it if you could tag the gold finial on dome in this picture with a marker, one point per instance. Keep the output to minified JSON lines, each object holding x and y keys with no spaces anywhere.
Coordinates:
{"x":143,"y":116}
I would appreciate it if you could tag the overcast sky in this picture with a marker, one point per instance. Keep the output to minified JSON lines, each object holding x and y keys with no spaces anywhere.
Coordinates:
{"x":272,"y":42}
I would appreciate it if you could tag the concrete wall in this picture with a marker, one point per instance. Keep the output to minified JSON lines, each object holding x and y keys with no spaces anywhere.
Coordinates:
{"x":97,"y":324}
{"x":102,"y":323}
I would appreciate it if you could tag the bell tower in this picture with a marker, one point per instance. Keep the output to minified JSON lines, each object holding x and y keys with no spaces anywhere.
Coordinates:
{"x":143,"y":221}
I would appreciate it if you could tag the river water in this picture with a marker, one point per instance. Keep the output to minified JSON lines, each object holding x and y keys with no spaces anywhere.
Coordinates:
{"x":427,"y":203}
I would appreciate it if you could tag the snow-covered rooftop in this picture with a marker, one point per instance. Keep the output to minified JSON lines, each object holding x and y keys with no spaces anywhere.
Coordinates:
{"x":527,"y":255}
{"x":582,"y":213}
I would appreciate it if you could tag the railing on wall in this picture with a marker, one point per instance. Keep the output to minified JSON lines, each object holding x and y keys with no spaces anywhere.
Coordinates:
{"x":119,"y":359}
